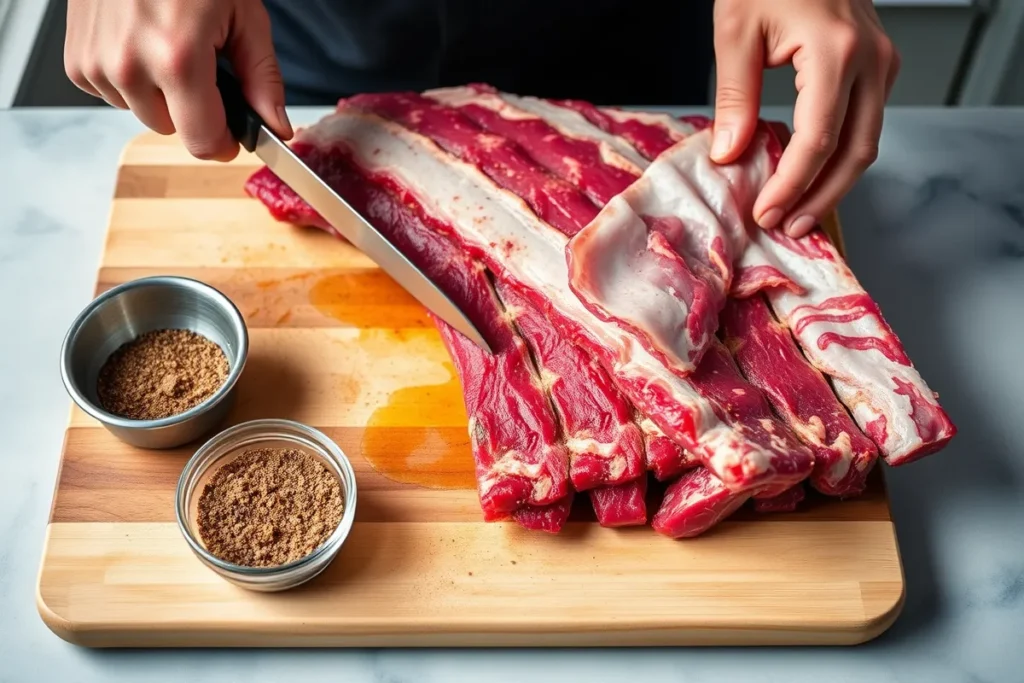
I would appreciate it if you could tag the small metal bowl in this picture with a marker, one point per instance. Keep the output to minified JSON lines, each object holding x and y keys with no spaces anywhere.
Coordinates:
{"x":230,"y":444}
{"x":133,"y":308}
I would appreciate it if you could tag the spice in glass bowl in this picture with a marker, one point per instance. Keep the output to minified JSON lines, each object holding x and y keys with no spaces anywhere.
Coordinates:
{"x":161,"y":373}
{"x":268,"y":507}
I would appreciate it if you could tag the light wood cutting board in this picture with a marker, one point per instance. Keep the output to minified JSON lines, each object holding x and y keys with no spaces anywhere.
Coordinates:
{"x":337,"y":345}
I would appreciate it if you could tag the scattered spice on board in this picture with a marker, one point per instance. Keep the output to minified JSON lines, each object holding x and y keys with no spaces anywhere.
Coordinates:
{"x":268,"y":507}
{"x":161,"y":373}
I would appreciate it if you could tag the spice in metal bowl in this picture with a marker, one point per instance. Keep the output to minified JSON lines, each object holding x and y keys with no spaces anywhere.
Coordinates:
{"x":268,"y":507}
{"x":161,"y":373}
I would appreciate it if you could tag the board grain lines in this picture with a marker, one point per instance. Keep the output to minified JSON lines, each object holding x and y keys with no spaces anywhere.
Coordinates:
{"x":336,"y":344}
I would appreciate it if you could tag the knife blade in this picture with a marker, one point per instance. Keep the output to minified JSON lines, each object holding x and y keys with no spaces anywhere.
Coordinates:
{"x":253,"y":134}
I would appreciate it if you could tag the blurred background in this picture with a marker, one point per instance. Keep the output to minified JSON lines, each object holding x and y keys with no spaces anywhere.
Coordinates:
{"x":955,"y":53}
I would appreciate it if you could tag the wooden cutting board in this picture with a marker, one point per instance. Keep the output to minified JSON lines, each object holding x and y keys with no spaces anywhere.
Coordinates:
{"x":336,"y":344}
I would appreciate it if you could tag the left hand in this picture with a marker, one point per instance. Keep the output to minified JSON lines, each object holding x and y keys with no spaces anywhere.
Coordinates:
{"x":845,"y":68}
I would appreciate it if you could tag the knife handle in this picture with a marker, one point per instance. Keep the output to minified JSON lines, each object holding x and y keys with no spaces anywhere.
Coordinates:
{"x":243,"y":121}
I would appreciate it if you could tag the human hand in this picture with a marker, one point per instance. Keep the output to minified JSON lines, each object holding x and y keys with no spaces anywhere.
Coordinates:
{"x":845,"y":68}
{"x":159,"y":59}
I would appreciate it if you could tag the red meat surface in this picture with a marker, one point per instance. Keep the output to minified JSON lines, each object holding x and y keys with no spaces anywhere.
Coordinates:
{"x":550,"y":518}
{"x":770,"y":360}
{"x":622,"y":505}
{"x":718,"y":378}
{"x":665,"y":458}
{"x":694,"y":503}
{"x":650,"y":134}
{"x":605,"y":445}
{"x":787,"y":501}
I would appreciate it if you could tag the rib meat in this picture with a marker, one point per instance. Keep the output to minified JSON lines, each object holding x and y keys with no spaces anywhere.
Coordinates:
{"x":510,"y":420}
{"x":718,"y":378}
{"x":553,"y":200}
{"x":649,"y":133}
{"x":658,"y":260}
{"x":600,"y":165}
{"x":622,"y":505}
{"x":787,"y":501}
{"x":665,"y":458}
{"x":518,"y":455}
{"x":776,"y":444}
{"x":840,"y":468}
{"x":694,"y":503}
{"x":605,"y":445}
{"x":844,"y":335}
{"x":550,"y":518}
{"x":771,"y":361}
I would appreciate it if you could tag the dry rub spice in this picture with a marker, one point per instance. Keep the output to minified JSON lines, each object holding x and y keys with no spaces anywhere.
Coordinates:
{"x":268,"y":507}
{"x":161,"y":373}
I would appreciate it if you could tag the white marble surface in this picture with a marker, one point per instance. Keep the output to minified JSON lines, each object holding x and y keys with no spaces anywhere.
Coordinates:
{"x":936,"y":233}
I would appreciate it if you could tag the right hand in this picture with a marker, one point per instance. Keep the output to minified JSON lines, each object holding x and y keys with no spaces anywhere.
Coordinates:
{"x":159,"y":59}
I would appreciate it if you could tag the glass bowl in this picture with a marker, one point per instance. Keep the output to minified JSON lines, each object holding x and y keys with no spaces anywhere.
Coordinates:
{"x":227,"y":446}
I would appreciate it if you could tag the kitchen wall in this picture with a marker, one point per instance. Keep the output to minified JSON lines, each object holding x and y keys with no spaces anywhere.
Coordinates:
{"x":954,"y":51}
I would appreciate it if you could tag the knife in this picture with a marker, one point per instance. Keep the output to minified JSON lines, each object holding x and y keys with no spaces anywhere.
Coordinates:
{"x":253,"y":134}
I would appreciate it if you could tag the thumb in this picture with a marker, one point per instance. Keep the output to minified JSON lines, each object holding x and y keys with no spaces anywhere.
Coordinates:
{"x":739,"y":68}
{"x":252,"y":54}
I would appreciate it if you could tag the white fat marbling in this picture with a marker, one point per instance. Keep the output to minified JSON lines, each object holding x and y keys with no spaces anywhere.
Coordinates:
{"x":935,"y":232}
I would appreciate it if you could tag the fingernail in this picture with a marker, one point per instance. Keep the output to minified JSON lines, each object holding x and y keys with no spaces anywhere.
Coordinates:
{"x":770,"y":218}
{"x":721,"y":143}
{"x":800,"y":226}
{"x":282,"y":116}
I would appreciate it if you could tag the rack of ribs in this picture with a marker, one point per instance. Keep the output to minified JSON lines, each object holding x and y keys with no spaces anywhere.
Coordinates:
{"x":641,"y":322}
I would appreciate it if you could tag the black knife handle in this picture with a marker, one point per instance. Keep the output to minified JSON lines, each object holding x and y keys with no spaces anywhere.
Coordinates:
{"x":243,"y":121}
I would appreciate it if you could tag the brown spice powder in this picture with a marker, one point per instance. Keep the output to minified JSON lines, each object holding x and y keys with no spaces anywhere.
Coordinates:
{"x":161,"y":373}
{"x":269,"y":507}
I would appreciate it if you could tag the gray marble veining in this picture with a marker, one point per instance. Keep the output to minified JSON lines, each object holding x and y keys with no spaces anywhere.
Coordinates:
{"x":935,"y":231}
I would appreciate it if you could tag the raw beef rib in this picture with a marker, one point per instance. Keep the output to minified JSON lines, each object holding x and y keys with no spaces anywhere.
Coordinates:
{"x":844,"y":335}
{"x":694,"y":503}
{"x":621,"y":505}
{"x":770,"y":359}
{"x":605,"y":445}
{"x":787,"y":501}
{"x":519,"y":458}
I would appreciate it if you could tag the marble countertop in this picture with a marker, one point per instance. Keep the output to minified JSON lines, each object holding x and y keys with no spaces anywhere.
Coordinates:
{"x":935,"y":231}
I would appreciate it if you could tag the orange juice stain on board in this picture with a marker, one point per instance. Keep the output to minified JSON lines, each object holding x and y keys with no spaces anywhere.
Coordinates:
{"x":419,"y":436}
{"x":397,"y":445}
{"x":366,"y":299}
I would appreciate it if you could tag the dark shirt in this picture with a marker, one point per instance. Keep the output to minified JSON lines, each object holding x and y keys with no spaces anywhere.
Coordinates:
{"x":655,"y":52}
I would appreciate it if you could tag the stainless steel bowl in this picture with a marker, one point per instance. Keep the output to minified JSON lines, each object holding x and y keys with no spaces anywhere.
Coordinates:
{"x":228,"y":445}
{"x":133,"y":308}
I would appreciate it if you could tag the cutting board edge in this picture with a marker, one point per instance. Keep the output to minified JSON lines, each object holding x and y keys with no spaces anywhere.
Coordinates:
{"x":136,"y":637}
{"x":879,"y":615}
